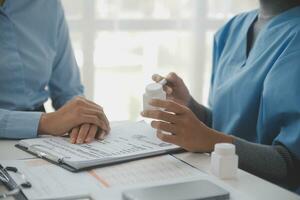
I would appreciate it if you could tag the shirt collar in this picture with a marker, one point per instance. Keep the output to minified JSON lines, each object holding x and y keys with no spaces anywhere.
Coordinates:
{"x":285,"y":16}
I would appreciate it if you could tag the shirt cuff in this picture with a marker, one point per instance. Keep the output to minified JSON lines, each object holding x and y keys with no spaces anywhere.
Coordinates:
{"x":21,"y":125}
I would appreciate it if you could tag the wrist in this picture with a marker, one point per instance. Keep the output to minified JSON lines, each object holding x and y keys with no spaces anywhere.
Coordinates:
{"x":219,"y":137}
{"x":42,"y":128}
{"x":189,"y":101}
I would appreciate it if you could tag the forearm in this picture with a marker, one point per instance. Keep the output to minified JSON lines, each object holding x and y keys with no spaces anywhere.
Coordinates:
{"x":274,"y":163}
{"x":18,"y":124}
{"x":203,"y":114}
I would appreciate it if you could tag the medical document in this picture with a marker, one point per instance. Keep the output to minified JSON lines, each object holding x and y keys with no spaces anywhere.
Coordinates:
{"x":52,"y":182}
{"x":126,"y":141}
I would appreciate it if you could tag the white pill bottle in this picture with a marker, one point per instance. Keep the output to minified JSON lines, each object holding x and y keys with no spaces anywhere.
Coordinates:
{"x":224,"y":161}
{"x":153,"y":91}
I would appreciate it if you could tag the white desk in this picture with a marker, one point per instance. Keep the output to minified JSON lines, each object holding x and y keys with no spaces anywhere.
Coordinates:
{"x":250,"y":185}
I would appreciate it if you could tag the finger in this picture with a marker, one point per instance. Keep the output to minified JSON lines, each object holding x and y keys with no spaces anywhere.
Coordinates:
{"x":161,"y":115}
{"x":169,"y":106}
{"x":101,"y":108}
{"x":157,"y":77}
{"x":87,"y":104}
{"x":99,"y":114}
{"x":81,"y":101}
{"x":168,"y":90}
{"x":94,"y":105}
{"x":106,"y":122}
{"x":91,"y":134}
{"x":166,"y":138}
{"x":104,"y":134}
{"x":92,"y":119}
{"x":83,"y":131}
{"x":73,"y":135}
{"x":100,"y":135}
{"x":172,"y":78}
{"x":164,"y":126}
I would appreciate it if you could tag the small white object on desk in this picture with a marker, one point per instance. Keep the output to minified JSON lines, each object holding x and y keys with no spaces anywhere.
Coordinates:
{"x":224,"y":161}
{"x":154,"y":91}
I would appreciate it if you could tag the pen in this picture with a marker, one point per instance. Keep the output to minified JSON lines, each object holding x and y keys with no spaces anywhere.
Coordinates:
{"x":46,"y":155}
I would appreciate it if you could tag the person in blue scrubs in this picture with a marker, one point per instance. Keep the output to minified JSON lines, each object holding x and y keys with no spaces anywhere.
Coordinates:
{"x":37,"y":62}
{"x":254,"y":97}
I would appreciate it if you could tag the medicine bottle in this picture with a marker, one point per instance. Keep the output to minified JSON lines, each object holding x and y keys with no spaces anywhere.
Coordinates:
{"x":224,"y":161}
{"x":153,"y":91}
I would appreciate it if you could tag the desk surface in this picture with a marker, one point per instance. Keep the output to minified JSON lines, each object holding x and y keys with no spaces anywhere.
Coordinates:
{"x":251,"y":186}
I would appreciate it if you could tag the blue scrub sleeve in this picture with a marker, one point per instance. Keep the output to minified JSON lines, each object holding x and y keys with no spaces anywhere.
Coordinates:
{"x":281,"y":103}
{"x":65,"y":80}
{"x":18,"y":124}
{"x":203,"y":113}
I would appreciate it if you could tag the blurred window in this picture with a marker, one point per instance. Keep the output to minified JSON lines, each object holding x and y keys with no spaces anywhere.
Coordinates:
{"x":119,"y":44}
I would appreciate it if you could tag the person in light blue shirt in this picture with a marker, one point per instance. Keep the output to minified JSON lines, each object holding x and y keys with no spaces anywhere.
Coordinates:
{"x":254,"y":97}
{"x":37,"y":62}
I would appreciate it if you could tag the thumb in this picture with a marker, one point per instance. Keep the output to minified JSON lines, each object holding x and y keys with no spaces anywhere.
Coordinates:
{"x":157,"y":77}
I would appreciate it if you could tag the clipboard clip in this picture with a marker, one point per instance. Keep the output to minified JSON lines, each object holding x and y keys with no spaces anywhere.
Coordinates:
{"x":47,"y":155}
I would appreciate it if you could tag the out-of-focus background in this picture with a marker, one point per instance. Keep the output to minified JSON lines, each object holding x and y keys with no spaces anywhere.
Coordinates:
{"x":119,"y":44}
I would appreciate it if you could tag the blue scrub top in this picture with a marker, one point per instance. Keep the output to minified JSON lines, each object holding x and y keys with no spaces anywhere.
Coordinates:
{"x":36,"y":62}
{"x":257,"y":97}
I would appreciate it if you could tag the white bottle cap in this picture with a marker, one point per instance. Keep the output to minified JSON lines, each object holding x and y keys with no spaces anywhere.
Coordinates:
{"x":225,"y":149}
{"x":154,"y":88}
{"x":163,"y":81}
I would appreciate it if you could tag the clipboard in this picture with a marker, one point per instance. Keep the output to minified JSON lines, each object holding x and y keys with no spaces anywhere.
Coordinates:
{"x":11,"y":185}
{"x":46,"y":156}
{"x":127,"y":142}
{"x":60,"y":162}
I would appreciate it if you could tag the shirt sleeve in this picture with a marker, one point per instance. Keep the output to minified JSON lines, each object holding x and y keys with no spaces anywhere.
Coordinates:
{"x":203,"y":114}
{"x":274,"y":163}
{"x":18,"y":124}
{"x":280,"y":104}
{"x":65,"y":80}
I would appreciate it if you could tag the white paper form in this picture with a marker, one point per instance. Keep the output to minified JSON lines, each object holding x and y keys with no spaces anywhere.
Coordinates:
{"x":146,"y":171}
{"x":126,"y":140}
{"x":50,"y":181}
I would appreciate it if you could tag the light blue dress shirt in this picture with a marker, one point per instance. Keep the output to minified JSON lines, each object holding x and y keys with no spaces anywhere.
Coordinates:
{"x":36,"y":62}
{"x":258,"y":97}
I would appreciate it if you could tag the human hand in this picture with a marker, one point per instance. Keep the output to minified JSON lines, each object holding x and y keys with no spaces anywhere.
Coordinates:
{"x":86,"y":133}
{"x":76,"y":112}
{"x":186,"y":130}
{"x":175,"y":88}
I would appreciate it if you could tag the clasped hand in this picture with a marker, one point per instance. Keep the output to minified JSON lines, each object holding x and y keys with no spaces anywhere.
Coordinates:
{"x":83,"y":119}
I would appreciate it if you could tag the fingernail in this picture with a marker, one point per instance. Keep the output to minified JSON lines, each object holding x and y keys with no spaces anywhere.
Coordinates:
{"x":88,"y":140}
{"x":102,"y":136}
{"x":79,"y":141}
{"x":168,"y":89}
